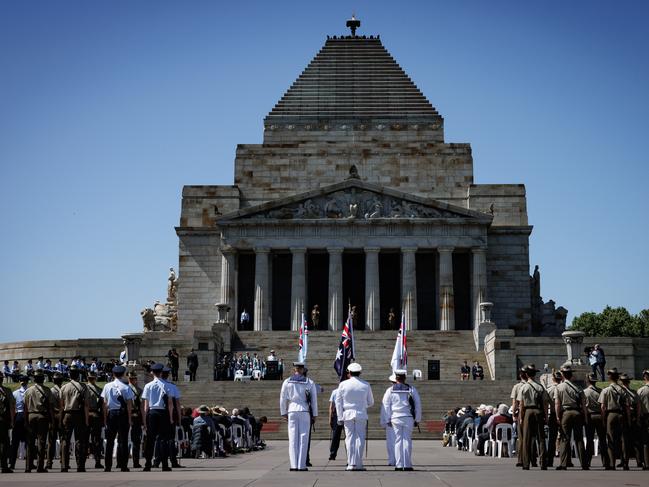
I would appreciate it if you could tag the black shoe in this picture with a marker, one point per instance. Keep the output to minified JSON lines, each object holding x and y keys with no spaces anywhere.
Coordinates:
{"x":124,"y":469}
{"x":408,"y":469}
{"x":302,"y":469}
{"x":137,"y":465}
{"x":332,"y":457}
{"x":146,"y":468}
{"x":519,"y":464}
{"x":308,"y":464}
{"x":609,"y":468}
{"x":28,"y":470}
{"x":561,"y":467}
{"x":166,"y":469}
{"x":81,"y":469}
{"x":398,"y":469}
{"x":292,"y":469}
{"x":107,"y":469}
{"x":177,"y":465}
{"x":64,"y":470}
{"x":7,"y":470}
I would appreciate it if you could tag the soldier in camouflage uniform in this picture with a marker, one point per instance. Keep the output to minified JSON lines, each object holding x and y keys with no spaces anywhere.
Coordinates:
{"x":7,"y":412}
{"x":594,"y":424}
{"x":137,"y":415}
{"x":643,"y":399}
{"x":534,"y":402}
{"x":516,"y":416}
{"x":632,"y":425}
{"x":38,"y":413}
{"x":570,"y":407}
{"x":55,"y":424}
{"x":95,"y":419}
{"x":553,"y":425}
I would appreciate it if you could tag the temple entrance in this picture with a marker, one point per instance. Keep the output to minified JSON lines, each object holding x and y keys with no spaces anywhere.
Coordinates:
{"x":245,"y":289}
{"x":354,"y":286}
{"x":462,"y":290}
{"x":390,"y":288}
{"x":427,"y":291}
{"x":317,"y":285}
{"x":280,"y":299}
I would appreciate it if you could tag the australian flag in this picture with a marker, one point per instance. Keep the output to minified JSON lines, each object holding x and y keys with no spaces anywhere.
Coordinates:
{"x":345,"y":353}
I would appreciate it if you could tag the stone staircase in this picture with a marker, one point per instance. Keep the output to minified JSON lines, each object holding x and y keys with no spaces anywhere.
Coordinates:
{"x":373,"y":351}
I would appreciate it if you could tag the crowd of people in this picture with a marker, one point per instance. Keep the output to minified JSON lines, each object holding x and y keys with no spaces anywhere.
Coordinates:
{"x":43,"y":420}
{"x":555,"y":419}
{"x":254,"y":366}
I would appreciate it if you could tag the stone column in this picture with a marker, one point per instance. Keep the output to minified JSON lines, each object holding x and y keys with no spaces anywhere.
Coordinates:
{"x":227,"y":277}
{"x":372,"y":302}
{"x":298,"y":287}
{"x":335,"y":287}
{"x":261,"y":289}
{"x":478,"y":282}
{"x":409,"y":286}
{"x":447,"y":305}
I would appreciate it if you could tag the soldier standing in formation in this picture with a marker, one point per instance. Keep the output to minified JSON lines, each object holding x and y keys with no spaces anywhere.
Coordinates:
{"x":7,"y":411}
{"x":631,"y":425}
{"x":159,"y":412}
{"x":352,"y":400}
{"x":38,"y":414}
{"x":384,"y":420}
{"x":55,"y":423}
{"x":534,"y":401}
{"x":95,"y":418}
{"x":516,"y":414}
{"x":594,"y":423}
{"x":615,"y":410}
{"x":336,"y":429}
{"x":298,"y":404}
{"x":643,"y":399}
{"x":403,"y":410}
{"x":74,"y":408}
{"x":570,"y":406}
{"x":118,"y":403}
{"x":553,"y":423}
{"x":137,"y":414}
{"x":19,"y":430}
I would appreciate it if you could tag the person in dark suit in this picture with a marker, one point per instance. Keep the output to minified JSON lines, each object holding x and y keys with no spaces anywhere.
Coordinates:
{"x":192,"y":364}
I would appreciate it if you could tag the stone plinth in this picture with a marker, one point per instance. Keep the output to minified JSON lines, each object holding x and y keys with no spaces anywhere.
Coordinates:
{"x":133,"y":342}
{"x":574,"y":341}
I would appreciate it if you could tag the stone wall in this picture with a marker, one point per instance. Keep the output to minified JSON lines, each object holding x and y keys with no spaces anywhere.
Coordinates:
{"x":508,"y":277}
{"x":433,"y":170}
{"x":103,"y":348}
{"x":508,"y":200}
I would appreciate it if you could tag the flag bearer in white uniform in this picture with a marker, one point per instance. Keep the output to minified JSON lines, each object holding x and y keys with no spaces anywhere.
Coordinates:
{"x":384,"y":420}
{"x":403,"y":408}
{"x":352,"y":400}
{"x":298,"y":404}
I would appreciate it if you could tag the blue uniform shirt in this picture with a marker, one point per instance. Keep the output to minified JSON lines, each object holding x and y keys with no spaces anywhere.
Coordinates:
{"x":113,"y":391}
{"x":154,"y":393}
{"x":172,"y":389}
{"x":19,"y":396}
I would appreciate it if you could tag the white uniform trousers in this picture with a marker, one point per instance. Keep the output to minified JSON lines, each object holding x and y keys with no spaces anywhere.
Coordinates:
{"x":355,"y":442}
{"x":402,"y":427}
{"x":389,"y":445}
{"x":299,"y":424}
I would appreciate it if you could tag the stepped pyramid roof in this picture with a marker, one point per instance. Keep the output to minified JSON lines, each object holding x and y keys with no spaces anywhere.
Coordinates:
{"x":353,"y":77}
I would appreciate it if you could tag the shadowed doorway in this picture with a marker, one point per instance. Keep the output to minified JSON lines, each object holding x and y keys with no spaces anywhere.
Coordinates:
{"x":354,"y":286}
{"x":317,"y":272}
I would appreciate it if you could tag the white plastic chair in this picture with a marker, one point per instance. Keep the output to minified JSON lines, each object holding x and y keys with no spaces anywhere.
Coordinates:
{"x":416,"y":374}
{"x":256,"y":374}
{"x":237,"y":435}
{"x":504,"y":435}
{"x":470,"y":434}
{"x":238,"y":376}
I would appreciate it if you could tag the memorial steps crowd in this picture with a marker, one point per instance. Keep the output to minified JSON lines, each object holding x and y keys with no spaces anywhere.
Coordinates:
{"x":559,"y":420}
{"x":42,"y":423}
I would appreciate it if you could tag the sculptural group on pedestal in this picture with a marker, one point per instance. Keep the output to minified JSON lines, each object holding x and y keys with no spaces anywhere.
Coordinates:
{"x":163,"y":317}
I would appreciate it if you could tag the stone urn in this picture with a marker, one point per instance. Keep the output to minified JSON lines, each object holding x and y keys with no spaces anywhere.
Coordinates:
{"x":133,"y":342}
{"x":573,"y":341}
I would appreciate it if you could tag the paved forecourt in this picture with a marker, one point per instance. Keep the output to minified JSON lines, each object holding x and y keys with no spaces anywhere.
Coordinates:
{"x":434,"y":466}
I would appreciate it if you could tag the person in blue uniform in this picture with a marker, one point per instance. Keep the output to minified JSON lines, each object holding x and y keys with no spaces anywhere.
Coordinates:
{"x":19,"y":431}
{"x":159,"y":414}
{"x":118,"y":404}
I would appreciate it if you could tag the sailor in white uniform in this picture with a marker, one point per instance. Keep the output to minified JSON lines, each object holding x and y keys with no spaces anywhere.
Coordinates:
{"x":298,"y":404}
{"x":384,"y":421}
{"x":403,"y":410}
{"x":353,"y":398}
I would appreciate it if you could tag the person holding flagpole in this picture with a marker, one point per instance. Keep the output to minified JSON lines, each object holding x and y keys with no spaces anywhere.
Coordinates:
{"x":385,"y":421}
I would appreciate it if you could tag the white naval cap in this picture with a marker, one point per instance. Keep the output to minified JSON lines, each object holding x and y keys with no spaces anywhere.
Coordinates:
{"x":392,"y":378}
{"x":299,"y":364}
{"x":400,"y":372}
{"x":354,"y":367}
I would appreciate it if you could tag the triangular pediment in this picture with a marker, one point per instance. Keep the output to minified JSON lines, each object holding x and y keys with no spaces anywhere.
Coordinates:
{"x":354,"y":199}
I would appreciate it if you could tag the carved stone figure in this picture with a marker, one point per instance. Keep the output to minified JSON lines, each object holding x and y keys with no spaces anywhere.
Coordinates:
{"x":353,"y":210}
{"x":353,"y":172}
{"x":148,"y":319}
{"x":332,"y":209}
{"x":375,"y":210}
{"x":172,"y":285}
{"x":315,"y":317}
{"x":392,"y":320}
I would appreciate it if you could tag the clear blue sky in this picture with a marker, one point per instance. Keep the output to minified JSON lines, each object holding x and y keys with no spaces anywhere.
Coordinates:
{"x":108,"y":108}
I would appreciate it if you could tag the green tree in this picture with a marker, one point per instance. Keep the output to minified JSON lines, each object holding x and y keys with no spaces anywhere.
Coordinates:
{"x":588,"y":323}
{"x":613,"y":322}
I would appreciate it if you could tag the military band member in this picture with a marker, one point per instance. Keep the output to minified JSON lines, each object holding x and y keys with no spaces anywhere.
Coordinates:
{"x":534,"y":401}
{"x":632,"y":424}
{"x":643,"y":399}
{"x":594,"y":423}
{"x":615,"y":410}
{"x":553,"y":423}
{"x":137,"y":415}
{"x":384,"y":422}
{"x":118,"y":404}
{"x":95,"y":418}
{"x":74,"y":410}
{"x":403,"y":410}
{"x":352,"y":400}
{"x":298,"y":404}
{"x":516,"y":414}
{"x":19,"y":429}
{"x":159,"y":415}
{"x":38,"y":413}
{"x":55,"y":423}
{"x":7,"y":412}
{"x":570,"y":407}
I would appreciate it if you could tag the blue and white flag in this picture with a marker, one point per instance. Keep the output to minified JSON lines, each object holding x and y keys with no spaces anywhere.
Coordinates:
{"x":303,"y":341}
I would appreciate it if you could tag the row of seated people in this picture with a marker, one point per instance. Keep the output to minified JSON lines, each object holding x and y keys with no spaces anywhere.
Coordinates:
{"x":472,"y":429}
